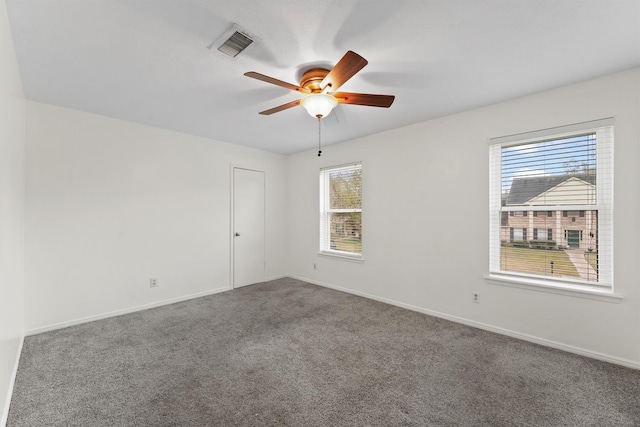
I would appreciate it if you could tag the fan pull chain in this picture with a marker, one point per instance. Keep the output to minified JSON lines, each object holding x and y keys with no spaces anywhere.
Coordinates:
{"x":319,"y":140}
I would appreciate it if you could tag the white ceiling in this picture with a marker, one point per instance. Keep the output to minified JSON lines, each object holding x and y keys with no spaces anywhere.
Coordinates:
{"x":147,"y":61}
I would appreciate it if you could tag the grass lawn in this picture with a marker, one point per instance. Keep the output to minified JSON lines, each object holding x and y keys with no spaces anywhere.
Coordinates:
{"x":347,"y":245}
{"x":537,"y":261}
{"x":592,"y":258}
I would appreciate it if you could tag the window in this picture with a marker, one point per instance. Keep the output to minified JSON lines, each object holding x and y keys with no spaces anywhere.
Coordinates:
{"x":341,"y":211}
{"x":542,"y":234}
{"x":568,"y":170}
{"x":504,"y":221}
{"x":517,"y":235}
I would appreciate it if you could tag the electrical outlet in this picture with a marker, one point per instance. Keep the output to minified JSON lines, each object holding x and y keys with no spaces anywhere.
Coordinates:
{"x":314,"y":267}
{"x":476,"y":297}
{"x":153,"y":283}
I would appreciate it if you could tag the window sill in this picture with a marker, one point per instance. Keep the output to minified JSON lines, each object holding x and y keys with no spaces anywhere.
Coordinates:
{"x":342,"y":255}
{"x":554,"y":288}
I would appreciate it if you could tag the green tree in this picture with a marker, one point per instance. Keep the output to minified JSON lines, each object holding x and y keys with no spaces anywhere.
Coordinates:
{"x":345,"y":192}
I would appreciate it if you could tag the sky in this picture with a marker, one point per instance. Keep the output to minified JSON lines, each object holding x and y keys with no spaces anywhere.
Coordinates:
{"x":548,"y":157}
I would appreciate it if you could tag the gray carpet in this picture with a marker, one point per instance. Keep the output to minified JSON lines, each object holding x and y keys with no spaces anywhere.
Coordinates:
{"x":290,"y":353}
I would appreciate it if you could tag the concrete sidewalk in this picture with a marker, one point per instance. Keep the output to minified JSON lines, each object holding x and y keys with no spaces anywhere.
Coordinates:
{"x":576,"y":256}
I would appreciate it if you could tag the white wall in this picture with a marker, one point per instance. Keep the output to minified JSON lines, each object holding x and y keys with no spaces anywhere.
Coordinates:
{"x":425,"y":220}
{"x":110,"y":204}
{"x":12,"y":122}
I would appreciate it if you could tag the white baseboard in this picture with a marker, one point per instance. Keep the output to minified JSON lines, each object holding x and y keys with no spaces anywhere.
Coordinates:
{"x":123,"y":311}
{"x":525,"y":337}
{"x":268,"y":279}
{"x":12,"y":382}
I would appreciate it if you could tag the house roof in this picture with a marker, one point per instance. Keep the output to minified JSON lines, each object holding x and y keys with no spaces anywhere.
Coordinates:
{"x":524,"y":189}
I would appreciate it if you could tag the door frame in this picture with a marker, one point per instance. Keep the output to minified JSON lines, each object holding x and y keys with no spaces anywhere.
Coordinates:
{"x":232,"y":168}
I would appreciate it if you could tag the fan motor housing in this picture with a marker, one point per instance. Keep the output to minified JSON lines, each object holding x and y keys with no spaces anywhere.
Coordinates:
{"x":312,"y":78}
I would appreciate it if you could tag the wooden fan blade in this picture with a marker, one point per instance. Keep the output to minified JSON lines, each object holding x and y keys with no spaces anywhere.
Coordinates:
{"x":367,"y":99}
{"x":349,"y":65}
{"x":280,"y":107}
{"x":276,"y":82}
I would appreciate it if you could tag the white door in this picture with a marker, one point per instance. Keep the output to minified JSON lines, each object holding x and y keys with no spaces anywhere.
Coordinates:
{"x":248,"y":227}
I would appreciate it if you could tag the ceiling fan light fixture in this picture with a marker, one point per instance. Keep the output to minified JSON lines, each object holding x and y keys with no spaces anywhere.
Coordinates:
{"x":319,"y":104}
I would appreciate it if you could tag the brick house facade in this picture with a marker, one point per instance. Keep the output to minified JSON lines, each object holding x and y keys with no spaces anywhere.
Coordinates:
{"x":567,"y":228}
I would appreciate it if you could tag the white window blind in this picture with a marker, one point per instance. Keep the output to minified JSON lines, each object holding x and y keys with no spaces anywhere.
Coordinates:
{"x":341,"y":210}
{"x":562,"y":180}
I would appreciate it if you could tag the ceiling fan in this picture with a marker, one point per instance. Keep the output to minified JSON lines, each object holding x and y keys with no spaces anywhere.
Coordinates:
{"x":320,"y":87}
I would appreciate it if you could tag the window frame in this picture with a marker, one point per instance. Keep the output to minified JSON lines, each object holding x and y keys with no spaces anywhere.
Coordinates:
{"x":324,"y":210}
{"x":604,"y":130}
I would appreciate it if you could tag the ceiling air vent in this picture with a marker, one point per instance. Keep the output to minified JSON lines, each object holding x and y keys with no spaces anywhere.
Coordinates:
{"x":235,"y":41}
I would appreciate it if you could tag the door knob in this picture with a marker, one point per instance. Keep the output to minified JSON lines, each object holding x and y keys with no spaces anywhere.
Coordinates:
{"x":237,"y":234}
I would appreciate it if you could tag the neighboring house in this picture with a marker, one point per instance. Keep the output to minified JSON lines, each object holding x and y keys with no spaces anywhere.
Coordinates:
{"x":567,"y":228}
{"x":346,"y":226}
